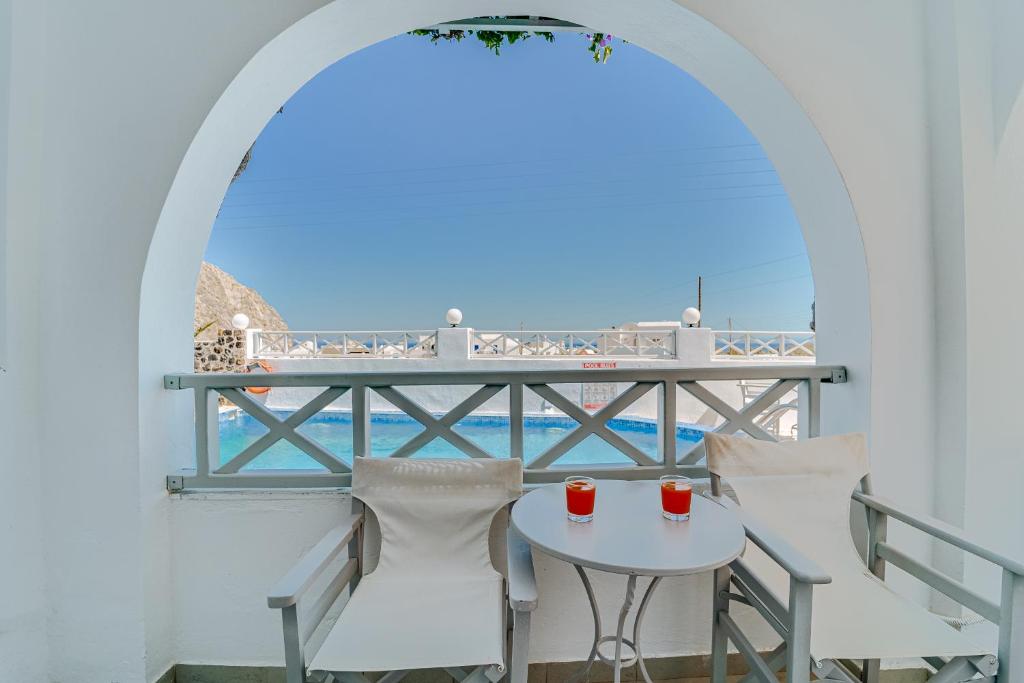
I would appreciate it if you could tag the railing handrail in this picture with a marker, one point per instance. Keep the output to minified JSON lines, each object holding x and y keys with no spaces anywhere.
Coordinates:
{"x":824,"y":373}
{"x":568,"y":332}
{"x":326,"y":332}
{"x":314,"y":344}
{"x":650,"y":343}
{"x":751,"y":344}
{"x":475,"y":330}
{"x":795,"y":333}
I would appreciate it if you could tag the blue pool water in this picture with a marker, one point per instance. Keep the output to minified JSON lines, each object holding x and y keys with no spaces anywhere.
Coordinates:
{"x":333,"y":431}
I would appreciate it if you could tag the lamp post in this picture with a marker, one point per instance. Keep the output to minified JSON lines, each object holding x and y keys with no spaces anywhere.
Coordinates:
{"x":240,"y":321}
{"x":691,"y":316}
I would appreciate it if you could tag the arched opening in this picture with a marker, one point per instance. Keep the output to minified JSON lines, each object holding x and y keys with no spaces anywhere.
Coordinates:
{"x":804,"y":165}
{"x":725,"y":67}
{"x":533,"y":189}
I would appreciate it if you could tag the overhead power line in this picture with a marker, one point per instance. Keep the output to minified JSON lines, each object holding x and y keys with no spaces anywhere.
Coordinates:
{"x":355,"y":213}
{"x":486,"y":164}
{"x":491,"y":214}
{"x":606,"y":180}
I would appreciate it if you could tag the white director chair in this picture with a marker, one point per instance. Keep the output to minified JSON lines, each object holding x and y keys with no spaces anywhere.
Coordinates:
{"x":425,"y":541}
{"x":795,"y":502}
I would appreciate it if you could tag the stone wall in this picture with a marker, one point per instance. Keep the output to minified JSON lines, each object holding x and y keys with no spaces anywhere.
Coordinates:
{"x":226,"y":353}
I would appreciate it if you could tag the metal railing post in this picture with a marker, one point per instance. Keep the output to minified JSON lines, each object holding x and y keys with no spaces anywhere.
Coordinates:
{"x":207,"y":431}
{"x":809,"y":409}
{"x":515,"y":420}
{"x":361,"y":447}
{"x":667,"y":394}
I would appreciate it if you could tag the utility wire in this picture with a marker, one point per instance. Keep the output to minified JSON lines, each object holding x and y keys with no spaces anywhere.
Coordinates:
{"x":731,"y":271}
{"x":356,"y":213}
{"x":493,"y":163}
{"x":229,"y":204}
{"x":490,"y":214}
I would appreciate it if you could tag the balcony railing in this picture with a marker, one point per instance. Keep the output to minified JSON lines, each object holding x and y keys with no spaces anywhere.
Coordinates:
{"x":753,"y":417}
{"x":764,"y":345}
{"x":701,"y":345}
{"x":400,"y":344}
{"x":637,"y":344}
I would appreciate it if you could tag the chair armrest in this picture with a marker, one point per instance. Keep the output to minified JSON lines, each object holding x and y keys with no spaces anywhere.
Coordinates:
{"x":940,"y":530}
{"x":290,"y":588}
{"x":796,"y":564}
{"x":522,"y":582}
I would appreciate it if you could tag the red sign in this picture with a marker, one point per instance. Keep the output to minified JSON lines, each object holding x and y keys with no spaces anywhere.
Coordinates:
{"x":598,"y":364}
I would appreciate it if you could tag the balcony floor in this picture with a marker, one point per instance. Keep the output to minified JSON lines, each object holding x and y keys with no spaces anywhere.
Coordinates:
{"x":693,"y":669}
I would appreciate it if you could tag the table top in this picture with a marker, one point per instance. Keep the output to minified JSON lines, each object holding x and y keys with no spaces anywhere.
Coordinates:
{"x":628,"y":535}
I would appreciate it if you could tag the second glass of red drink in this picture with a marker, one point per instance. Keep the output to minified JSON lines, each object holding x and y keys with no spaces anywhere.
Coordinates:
{"x":676,"y":496}
{"x":579,"y":498}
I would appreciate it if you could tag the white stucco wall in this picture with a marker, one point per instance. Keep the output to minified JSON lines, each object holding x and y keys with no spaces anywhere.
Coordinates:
{"x":277,"y":527}
{"x":107,"y":107}
{"x":993,"y":128}
{"x":24,"y":611}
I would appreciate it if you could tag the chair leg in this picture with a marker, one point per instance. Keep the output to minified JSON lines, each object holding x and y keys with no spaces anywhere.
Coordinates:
{"x":520,"y":664}
{"x":719,"y":638}
{"x":295,"y":665}
{"x":870,"y":670}
{"x":798,"y":641}
{"x":1011,"y":629}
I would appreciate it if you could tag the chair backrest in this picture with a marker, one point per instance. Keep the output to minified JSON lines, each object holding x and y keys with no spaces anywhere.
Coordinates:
{"x":799,"y":489}
{"x":434,"y":516}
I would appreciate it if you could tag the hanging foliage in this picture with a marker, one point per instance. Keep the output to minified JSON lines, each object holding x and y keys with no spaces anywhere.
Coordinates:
{"x":598,"y":44}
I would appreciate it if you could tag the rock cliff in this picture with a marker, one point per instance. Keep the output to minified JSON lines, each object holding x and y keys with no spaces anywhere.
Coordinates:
{"x":219,"y":297}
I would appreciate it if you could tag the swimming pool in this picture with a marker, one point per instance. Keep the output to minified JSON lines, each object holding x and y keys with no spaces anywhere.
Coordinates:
{"x":388,"y":431}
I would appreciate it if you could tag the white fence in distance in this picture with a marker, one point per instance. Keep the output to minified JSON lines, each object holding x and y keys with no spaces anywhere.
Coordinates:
{"x":653,"y":344}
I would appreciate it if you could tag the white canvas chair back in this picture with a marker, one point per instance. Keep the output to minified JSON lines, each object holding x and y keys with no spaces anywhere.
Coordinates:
{"x":434,"y":598}
{"x":802,"y":490}
{"x":434,"y":516}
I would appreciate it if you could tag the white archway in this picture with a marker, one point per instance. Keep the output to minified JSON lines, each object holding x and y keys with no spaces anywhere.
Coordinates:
{"x":283,"y":65}
{"x":787,"y":134}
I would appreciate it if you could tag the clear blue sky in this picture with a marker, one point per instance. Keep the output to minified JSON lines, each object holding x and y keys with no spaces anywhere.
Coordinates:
{"x":534,"y":188}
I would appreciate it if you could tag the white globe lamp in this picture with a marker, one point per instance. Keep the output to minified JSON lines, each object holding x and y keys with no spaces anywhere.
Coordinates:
{"x":240,"y":321}
{"x":691,"y":316}
{"x":453,"y":316}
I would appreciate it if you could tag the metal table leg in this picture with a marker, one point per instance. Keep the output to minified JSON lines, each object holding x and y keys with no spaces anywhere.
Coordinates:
{"x":639,"y":622}
{"x":582,"y":674}
{"x":619,"y":638}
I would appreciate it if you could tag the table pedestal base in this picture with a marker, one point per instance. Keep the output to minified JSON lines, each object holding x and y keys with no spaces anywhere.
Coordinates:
{"x":617,"y":661}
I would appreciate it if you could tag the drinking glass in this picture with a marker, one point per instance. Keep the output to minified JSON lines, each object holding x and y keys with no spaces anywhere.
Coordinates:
{"x":676,"y":496}
{"x":579,"y":498}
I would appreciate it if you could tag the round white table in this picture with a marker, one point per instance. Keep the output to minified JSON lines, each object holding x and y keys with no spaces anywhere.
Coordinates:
{"x":628,"y":536}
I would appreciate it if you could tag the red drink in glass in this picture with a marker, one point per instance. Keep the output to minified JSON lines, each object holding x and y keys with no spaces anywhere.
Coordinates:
{"x":676,"y":496}
{"x":579,"y":498}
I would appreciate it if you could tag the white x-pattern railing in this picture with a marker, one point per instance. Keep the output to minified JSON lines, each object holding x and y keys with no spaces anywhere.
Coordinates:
{"x":637,"y":343}
{"x":764,"y":345}
{"x":268,"y":344}
{"x":209,"y":473}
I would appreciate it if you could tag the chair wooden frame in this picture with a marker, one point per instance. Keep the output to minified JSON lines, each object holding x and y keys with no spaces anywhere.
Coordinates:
{"x":304,"y":633}
{"x":792,"y":621}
